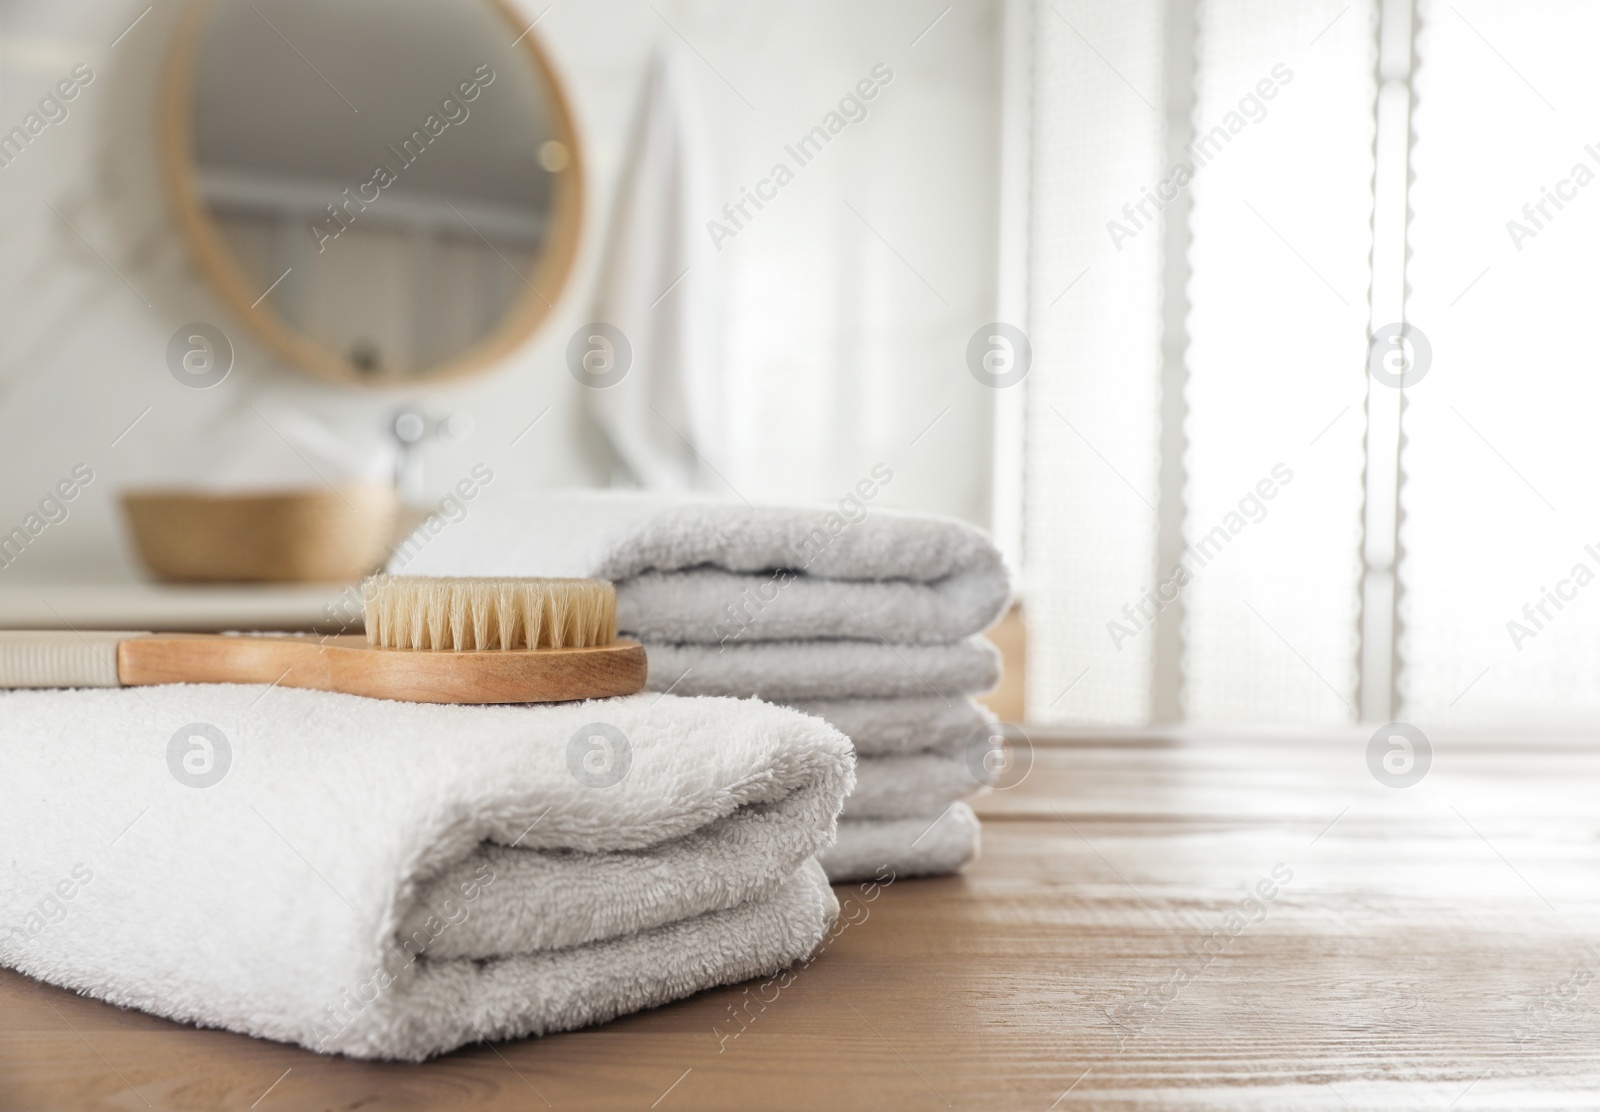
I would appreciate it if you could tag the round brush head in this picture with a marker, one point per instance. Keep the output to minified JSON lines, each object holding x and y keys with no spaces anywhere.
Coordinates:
{"x":461,"y":615}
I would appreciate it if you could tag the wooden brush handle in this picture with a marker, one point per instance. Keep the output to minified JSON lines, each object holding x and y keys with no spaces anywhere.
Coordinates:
{"x":349,"y":665}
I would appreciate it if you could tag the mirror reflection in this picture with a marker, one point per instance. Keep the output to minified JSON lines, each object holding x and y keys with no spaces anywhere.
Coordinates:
{"x":387,"y":185}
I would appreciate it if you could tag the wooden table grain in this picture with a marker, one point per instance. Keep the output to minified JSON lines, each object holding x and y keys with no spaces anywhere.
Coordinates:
{"x":1206,"y":922}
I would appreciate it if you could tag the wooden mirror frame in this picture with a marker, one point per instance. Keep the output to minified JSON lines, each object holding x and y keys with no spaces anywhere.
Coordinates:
{"x":214,"y":259}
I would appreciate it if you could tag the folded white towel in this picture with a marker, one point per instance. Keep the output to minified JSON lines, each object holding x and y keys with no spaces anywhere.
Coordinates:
{"x":738,"y":573}
{"x":393,"y":880}
{"x":897,"y":727}
{"x":929,"y":846}
{"x":788,"y":671}
{"x":913,"y":786}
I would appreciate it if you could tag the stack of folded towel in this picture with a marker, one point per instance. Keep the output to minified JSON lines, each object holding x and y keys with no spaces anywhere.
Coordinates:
{"x":865,"y":618}
{"x":393,"y":880}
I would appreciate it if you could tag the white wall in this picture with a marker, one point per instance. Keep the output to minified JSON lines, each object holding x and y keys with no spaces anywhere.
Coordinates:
{"x":847,"y":332}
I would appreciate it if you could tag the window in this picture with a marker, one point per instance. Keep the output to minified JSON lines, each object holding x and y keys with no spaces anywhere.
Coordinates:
{"x":1227,"y":519}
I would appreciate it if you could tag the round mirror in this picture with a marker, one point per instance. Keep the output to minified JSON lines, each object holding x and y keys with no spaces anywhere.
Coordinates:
{"x":386,"y":190}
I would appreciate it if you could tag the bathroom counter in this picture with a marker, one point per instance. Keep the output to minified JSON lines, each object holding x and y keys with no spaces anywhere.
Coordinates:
{"x":1205,"y":922}
{"x":175,"y":608}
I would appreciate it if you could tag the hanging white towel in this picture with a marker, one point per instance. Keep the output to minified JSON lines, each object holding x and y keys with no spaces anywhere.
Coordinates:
{"x":660,"y":285}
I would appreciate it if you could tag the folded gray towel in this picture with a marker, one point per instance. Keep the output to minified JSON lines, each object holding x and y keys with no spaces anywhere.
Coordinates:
{"x":930,"y":846}
{"x":913,"y":786}
{"x":898,"y":727}
{"x":790,"y":671}
{"x":861,"y":616}
{"x":689,"y":569}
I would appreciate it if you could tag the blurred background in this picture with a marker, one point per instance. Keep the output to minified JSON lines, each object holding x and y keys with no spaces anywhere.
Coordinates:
{"x":1255,"y":331}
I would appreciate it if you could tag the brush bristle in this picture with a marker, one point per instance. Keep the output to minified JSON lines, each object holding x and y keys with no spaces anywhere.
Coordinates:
{"x":461,"y":615}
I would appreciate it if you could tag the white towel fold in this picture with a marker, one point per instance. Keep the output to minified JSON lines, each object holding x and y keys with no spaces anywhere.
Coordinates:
{"x":919,"y":785}
{"x":928,"y":846}
{"x":393,"y":880}
{"x":712,"y":606}
{"x":462,"y":1001}
{"x":898,"y":727}
{"x":738,"y":573}
{"x":788,"y":671}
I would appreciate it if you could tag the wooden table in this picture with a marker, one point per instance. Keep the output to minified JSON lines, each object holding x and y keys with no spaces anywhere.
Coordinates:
{"x":1428,"y":947}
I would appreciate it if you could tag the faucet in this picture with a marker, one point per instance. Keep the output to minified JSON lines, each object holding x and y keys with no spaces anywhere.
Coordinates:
{"x":413,"y":425}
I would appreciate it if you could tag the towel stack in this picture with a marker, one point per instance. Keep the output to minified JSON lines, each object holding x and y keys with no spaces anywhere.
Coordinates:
{"x":865,"y":618}
{"x":393,"y":880}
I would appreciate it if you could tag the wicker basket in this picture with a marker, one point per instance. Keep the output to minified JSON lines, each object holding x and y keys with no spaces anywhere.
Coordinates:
{"x":290,"y":536}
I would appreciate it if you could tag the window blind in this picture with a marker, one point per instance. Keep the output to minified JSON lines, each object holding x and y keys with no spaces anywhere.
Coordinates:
{"x":1091,"y":427}
{"x":1280,"y":178}
{"x":1500,"y":611}
{"x":1278,"y":331}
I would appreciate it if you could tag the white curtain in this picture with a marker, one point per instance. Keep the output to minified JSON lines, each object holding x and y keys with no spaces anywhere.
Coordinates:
{"x":1089,"y":518}
{"x":1485,"y":249}
{"x":1273,"y":345}
{"x":1499,"y":504}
